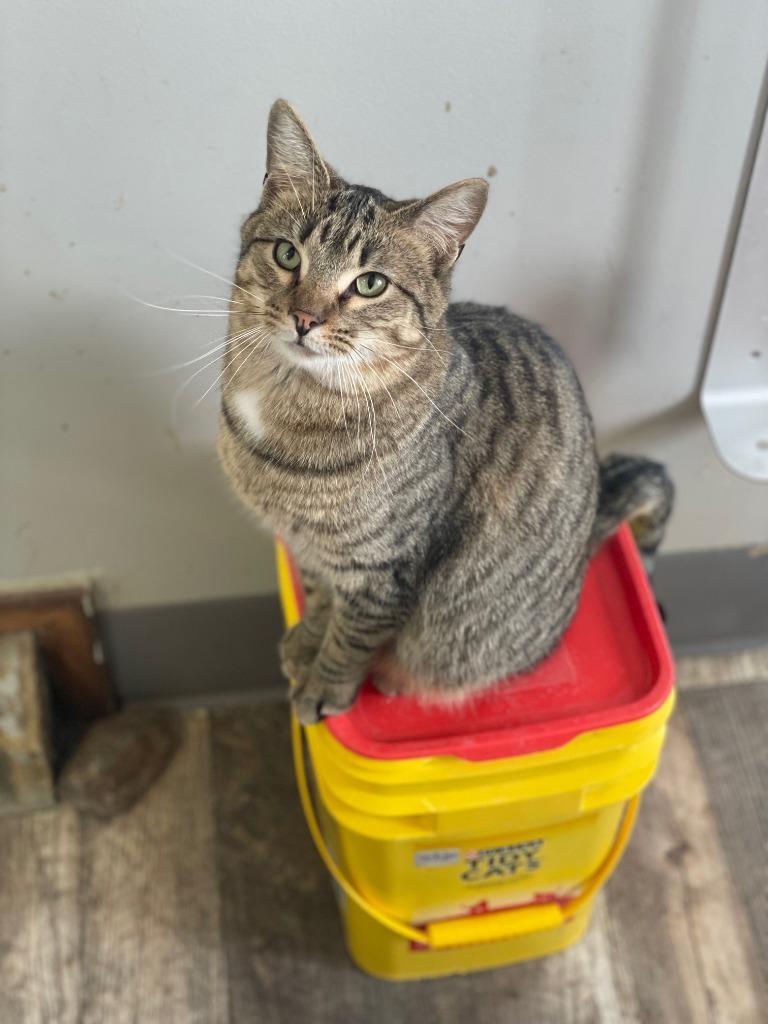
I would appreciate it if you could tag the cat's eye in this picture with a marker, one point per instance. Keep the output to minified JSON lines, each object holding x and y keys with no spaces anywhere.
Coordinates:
{"x":287,"y":255}
{"x":371,"y":284}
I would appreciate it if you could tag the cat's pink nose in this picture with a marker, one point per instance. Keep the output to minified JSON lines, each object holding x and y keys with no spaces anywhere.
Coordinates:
{"x":305,"y":321}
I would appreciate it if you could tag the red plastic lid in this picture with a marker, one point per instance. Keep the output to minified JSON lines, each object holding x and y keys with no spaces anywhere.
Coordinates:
{"x":612,"y":666}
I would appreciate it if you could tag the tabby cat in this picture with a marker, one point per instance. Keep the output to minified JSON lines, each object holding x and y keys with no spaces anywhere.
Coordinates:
{"x":431,"y":467}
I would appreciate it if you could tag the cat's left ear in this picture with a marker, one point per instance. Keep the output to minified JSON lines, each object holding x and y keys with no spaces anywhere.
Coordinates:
{"x":447,"y":218}
{"x":292,"y":156}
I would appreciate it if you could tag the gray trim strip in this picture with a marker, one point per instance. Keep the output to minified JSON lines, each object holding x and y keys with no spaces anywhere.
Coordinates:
{"x":200,"y":648}
{"x":713,"y":601}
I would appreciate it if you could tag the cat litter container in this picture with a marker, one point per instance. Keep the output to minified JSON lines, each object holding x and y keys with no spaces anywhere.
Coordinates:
{"x":468,"y":837}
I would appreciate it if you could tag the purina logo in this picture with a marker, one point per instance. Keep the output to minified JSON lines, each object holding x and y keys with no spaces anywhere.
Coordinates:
{"x":436,"y":858}
{"x":499,"y":862}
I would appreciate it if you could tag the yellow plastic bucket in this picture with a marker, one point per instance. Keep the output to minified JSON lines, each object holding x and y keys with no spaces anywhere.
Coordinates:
{"x":472,"y":837}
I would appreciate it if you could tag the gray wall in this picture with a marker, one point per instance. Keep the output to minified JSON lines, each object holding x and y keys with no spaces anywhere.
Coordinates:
{"x":134,"y":131}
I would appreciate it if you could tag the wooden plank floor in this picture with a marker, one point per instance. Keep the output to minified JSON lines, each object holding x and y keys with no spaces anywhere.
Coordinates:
{"x":207,"y":904}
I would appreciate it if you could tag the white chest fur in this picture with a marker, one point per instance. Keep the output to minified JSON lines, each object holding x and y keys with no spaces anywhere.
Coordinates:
{"x":247,"y":407}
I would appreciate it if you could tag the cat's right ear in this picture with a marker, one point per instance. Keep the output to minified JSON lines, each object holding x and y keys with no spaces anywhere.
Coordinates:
{"x":292,"y":156}
{"x":446,"y":219}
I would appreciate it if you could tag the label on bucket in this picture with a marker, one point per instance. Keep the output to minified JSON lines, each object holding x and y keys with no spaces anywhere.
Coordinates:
{"x":496,"y":863}
{"x":436,"y":858}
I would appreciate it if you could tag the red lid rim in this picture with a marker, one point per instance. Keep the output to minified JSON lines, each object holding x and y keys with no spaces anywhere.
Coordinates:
{"x":536,"y":737}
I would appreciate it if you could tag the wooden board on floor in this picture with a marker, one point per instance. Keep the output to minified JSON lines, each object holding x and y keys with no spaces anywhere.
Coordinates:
{"x":675,"y":921}
{"x":40,"y":965}
{"x":748,"y":665}
{"x":151,"y":948}
{"x":116,"y":922}
{"x":730,"y":728}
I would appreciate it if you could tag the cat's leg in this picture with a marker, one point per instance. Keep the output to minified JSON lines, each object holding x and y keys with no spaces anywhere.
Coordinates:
{"x":353,"y":635}
{"x":300,"y":644}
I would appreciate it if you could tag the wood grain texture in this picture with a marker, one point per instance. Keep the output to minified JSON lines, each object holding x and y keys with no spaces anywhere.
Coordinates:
{"x":730,"y":727}
{"x":150,"y":941}
{"x":669,"y":943}
{"x":745,"y":666}
{"x":40,"y":967}
{"x":280,"y":926}
{"x":116,"y":923}
{"x":26,"y":748}
{"x":171,"y":914}
{"x":674,"y":916}
{"x":68,"y":632}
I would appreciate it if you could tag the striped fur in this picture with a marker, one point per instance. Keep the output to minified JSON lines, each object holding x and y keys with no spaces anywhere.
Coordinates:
{"x":432,"y":467}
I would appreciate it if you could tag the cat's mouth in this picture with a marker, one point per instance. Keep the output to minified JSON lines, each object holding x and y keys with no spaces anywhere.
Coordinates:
{"x":301,"y":344}
{"x":299,"y":349}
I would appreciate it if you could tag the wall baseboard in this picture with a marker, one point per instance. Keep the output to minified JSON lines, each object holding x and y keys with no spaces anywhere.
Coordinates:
{"x":197,"y":648}
{"x":713,"y":601}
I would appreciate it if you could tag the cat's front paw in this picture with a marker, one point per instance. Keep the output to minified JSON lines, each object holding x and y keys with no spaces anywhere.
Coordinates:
{"x":297,"y":651}
{"x":313,"y":700}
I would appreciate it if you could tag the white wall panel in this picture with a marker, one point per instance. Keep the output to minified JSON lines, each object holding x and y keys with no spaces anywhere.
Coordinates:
{"x":132,"y":131}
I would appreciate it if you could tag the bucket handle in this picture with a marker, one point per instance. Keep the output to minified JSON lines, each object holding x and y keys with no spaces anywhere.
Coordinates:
{"x":474,"y":929}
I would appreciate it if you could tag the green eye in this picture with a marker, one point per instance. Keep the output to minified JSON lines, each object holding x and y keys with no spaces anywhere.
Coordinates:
{"x":287,"y":255}
{"x":370,"y":285}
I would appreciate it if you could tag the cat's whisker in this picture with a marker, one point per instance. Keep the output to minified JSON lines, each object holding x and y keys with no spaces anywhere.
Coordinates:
{"x":235,"y":346}
{"x":247,"y":345}
{"x":375,"y":450}
{"x":351,"y":365}
{"x":395,"y":344}
{"x":388,"y":342}
{"x":339,"y":369}
{"x":375,"y":446}
{"x":432,"y":346}
{"x":371,"y":416}
{"x":189,"y":362}
{"x":451,"y":330}
{"x":239,"y":344}
{"x":232,"y":284}
{"x":426,"y":394}
{"x":409,"y":348}
{"x":329,"y":379}
{"x":214,"y":298}
{"x":290,"y":180}
{"x":348,"y":377}
{"x":313,"y":183}
{"x":174,"y":309}
{"x":383,"y":384}
{"x":287,"y":212}
{"x":265,"y":337}
{"x":232,"y":304}
{"x":218,"y":347}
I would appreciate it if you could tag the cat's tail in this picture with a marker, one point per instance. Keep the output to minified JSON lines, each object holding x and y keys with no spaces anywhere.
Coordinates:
{"x":638,"y":491}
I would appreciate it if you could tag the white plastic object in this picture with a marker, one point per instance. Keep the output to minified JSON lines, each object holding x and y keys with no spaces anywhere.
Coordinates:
{"x":734,"y":395}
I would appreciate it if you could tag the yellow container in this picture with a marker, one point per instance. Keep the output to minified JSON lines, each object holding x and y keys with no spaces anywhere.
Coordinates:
{"x":472,"y":837}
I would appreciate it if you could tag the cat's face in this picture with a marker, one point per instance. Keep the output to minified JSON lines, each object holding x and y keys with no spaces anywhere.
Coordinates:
{"x":339,"y":274}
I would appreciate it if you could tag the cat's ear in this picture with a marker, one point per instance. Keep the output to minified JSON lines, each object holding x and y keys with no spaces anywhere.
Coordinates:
{"x":291,"y":154}
{"x":447,"y":218}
